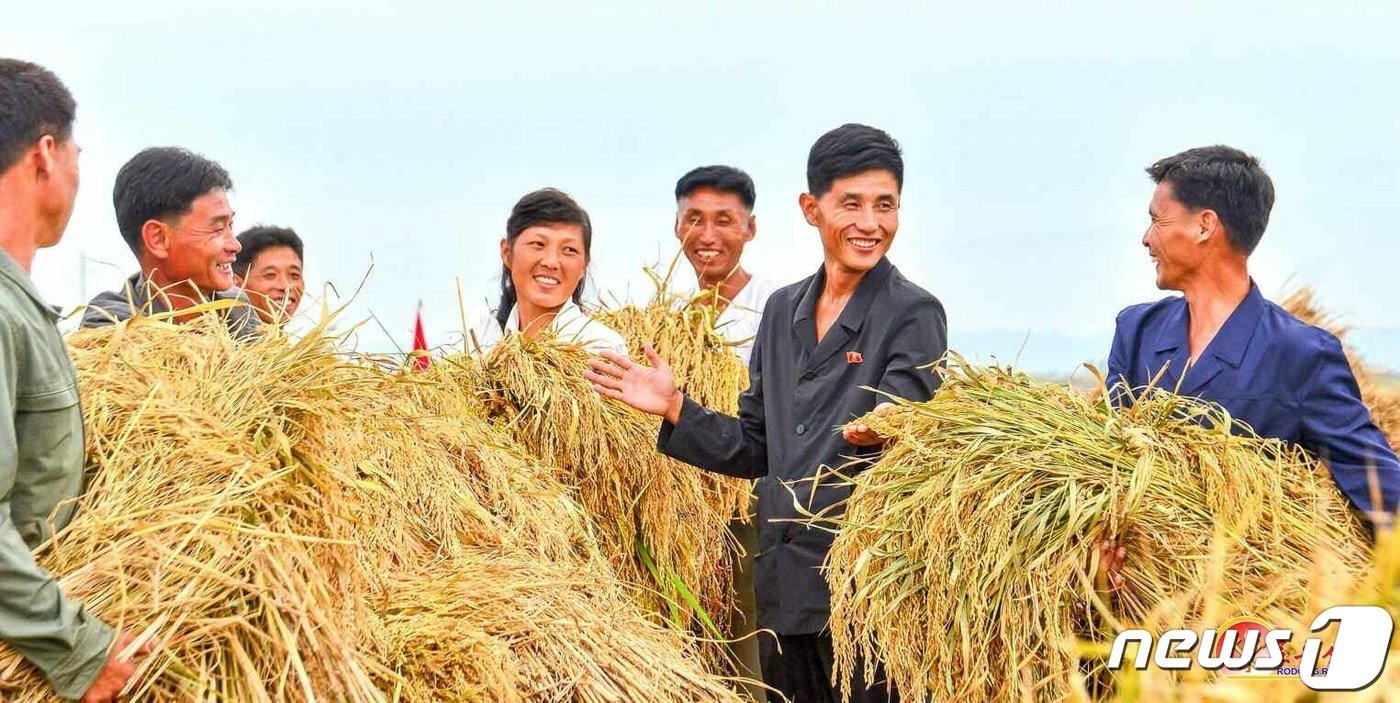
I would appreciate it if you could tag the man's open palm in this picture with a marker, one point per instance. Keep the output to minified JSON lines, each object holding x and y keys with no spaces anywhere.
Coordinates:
{"x":648,"y":389}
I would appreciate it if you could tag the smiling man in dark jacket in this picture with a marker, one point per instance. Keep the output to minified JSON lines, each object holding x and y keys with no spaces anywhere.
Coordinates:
{"x":173,"y":212}
{"x":855,"y":324}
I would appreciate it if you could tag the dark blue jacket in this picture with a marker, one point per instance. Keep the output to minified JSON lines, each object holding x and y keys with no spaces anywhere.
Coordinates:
{"x":1283,"y":378}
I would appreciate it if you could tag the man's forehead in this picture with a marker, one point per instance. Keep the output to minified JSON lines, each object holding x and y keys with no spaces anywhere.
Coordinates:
{"x":707,"y":198}
{"x":214,"y":202}
{"x":869,"y":184}
{"x":277,"y":254}
{"x":1164,"y":198}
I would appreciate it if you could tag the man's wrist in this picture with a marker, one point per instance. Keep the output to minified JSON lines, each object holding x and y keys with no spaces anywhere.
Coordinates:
{"x":673,"y":407}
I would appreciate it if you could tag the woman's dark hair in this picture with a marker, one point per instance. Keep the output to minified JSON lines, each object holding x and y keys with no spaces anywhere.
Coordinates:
{"x":546,"y":206}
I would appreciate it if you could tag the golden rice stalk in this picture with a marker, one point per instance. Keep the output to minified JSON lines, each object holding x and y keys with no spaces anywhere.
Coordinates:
{"x":453,"y":617}
{"x":201,"y":527}
{"x":424,"y":442}
{"x":662,"y":524}
{"x":961,"y":560}
{"x":682,"y":331}
{"x":262,"y":508}
{"x":1384,"y":401}
{"x":1378,"y":584}
{"x":505,"y":594}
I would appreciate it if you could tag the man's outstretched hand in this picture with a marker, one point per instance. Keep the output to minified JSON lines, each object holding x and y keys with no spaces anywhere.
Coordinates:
{"x":862,"y":435}
{"x":649,"y":389}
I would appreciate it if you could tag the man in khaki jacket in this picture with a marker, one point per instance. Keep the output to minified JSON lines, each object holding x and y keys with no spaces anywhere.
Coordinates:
{"x":41,"y":424}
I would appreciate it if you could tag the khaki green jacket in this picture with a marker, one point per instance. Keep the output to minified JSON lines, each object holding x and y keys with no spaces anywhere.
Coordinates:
{"x":41,"y":471}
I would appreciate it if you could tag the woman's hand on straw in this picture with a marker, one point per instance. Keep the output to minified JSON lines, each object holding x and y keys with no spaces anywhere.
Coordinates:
{"x":120,"y":668}
{"x":648,"y":389}
{"x":862,"y":435}
{"x":1108,"y":578}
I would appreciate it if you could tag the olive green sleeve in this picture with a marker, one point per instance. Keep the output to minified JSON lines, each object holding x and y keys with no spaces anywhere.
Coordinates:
{"x":57,"y":635}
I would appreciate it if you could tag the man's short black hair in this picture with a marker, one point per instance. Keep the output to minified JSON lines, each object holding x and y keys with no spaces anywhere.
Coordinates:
{"x":255,"y":240}
{"x":161,"y":183}
{"x":725,"y":179}
{"x":1226,"y":180}
{"x":849,"y":150}
{"x":33,"y":103}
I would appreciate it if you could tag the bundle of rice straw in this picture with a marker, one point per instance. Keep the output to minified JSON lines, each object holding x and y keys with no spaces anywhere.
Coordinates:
{"x":961,"y":561}
{"x":200,"y":526}
{"x":569,"y":632}
{"x":1378,"y":584}
{"x":507,"y":595}
{"x":663,"y":524}
{"x":682,"y":331}
{"x":262,"y":509}
{"x":1383,"y":401}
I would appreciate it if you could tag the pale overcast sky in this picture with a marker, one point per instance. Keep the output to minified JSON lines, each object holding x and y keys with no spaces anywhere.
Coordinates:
{"x":402,"y":136}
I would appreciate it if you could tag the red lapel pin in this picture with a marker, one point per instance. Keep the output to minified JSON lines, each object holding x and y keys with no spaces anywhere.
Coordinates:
{"x":853,"y":357}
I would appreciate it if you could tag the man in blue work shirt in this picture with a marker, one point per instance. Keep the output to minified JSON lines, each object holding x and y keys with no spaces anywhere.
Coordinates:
{"x":1281,"y":377}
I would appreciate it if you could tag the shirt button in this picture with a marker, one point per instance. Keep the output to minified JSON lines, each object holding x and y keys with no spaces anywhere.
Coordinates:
{"x":801,"y":430}
{"x":787,"y":537}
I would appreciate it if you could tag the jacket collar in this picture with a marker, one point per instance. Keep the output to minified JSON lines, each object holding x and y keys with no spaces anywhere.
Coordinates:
{"x":9,"y":268}
{"x":854,"y":313}
{"x":804,"y":318}
{"x":1226,"y":349}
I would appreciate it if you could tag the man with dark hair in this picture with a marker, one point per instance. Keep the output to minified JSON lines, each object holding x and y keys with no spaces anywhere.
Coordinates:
{"x":268,"y":269}
{"x":41,"y":422}
{"x":173,"y":211}
{"x":714,"y":221}
{"x":856,"y":324}
{"x":1281,"y":377}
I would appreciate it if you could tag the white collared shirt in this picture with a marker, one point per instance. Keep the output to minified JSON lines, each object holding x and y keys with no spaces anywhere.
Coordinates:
{"x":738,"y":322}
{"x":570,"y":324}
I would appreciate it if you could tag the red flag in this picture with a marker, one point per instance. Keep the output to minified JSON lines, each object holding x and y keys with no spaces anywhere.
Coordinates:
{"x":420,"y":340}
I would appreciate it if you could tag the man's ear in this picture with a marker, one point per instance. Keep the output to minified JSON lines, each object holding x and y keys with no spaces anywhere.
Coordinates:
{"x":808,"y":203}
{"x":238,"y":281}
{"x":681,"y":234}
{"x":1210,"y":226}
{"x":155,"y":239}
{"x":753,"y":228}
{"x":45,"y":153}
{"x":505,"y":252}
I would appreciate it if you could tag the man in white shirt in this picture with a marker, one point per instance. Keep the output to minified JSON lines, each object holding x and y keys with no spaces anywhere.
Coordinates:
{"x":269,"y":270}
{"x":714,"y":220}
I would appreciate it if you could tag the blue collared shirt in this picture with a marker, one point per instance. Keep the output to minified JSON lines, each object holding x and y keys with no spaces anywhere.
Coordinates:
{"x":1285,"y":379}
